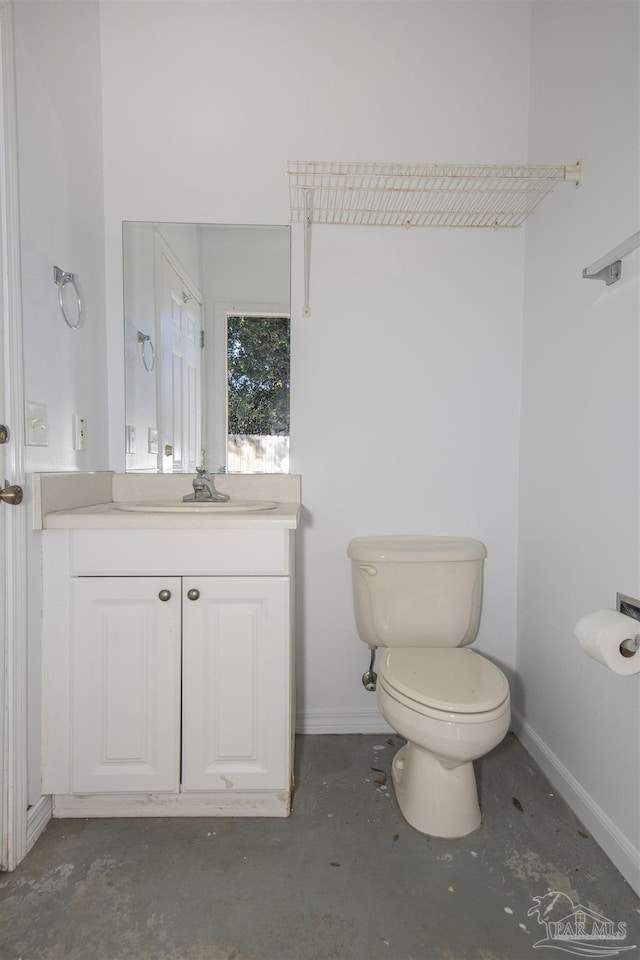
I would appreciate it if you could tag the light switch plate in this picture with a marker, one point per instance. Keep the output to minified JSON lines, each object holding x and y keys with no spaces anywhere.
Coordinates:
{"x":36,"y":424}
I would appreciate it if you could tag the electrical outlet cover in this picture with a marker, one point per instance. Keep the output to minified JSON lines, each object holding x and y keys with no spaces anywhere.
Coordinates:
{"x":131,"y":438}
{"x":79,"y":432}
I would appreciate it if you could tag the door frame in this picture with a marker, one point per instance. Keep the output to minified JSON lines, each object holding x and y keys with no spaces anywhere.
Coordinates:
{"x":164,"y":254}
{"x":215,"y":370}
{"x":13,"y":637}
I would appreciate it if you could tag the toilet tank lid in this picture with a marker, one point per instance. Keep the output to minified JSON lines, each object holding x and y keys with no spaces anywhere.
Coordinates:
{"x":415,"y":549}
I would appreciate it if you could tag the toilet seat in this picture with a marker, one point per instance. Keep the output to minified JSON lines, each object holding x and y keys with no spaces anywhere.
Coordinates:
{"x":440,"y":681}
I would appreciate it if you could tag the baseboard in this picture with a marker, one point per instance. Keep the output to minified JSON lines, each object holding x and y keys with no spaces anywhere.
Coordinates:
{"x":38,"y":817}
{"x":623,"y":854}
{"x":342,"y":721}
{"x":247,"y":803}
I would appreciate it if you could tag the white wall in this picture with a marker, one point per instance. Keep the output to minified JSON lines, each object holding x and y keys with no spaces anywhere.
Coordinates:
{"x":406,"y":380}
{"x":579,"y":521}
{"x":61,"y":222}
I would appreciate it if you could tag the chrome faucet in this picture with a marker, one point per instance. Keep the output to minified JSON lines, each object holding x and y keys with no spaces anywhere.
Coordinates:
{"x":204,"y":488}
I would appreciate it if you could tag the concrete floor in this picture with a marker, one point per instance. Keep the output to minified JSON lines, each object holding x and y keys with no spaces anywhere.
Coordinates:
{"x":344,"y":877}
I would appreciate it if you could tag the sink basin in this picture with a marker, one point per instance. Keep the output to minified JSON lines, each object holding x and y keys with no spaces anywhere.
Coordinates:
{"x":196,"y":506}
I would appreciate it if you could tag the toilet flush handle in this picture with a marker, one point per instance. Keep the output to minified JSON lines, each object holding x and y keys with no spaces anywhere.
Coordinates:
{"x":370,"y":677}
{"x":367,"y":568}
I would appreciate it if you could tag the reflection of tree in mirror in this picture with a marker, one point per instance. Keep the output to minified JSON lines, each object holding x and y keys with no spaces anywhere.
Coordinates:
{"x":258,"y":375}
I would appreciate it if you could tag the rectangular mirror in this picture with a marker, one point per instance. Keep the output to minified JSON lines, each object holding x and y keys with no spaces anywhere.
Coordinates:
{"x":206,"y":340}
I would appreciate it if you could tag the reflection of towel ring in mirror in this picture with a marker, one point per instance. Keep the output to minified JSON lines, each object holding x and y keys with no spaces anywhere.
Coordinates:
{"x":61,"y":279}
{"x":144,"y":339}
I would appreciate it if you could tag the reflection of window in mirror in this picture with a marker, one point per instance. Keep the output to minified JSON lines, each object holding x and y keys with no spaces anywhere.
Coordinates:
{"x":258,"y":393}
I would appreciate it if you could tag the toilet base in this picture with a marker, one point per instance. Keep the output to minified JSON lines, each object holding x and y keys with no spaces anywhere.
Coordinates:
{"x":439,"y":800}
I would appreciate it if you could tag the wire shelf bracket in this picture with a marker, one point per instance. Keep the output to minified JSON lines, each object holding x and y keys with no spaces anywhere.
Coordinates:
{"x":417,"y":195}
{"x":307,"y":205}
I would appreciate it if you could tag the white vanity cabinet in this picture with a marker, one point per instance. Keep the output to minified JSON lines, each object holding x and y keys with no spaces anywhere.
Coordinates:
{"x":235,"y":673}
{"x":125,"y":684}
{"x":168,"y":671}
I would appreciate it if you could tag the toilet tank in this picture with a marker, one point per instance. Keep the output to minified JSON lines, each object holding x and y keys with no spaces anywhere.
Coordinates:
{"x":414,"y":591}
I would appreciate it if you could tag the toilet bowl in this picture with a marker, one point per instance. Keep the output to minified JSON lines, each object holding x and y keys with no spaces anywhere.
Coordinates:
{"x":446,"y":730}
{"x":420,"y":599}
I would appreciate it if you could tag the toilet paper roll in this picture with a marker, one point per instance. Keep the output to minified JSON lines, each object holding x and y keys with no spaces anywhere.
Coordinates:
{"x":600,"y":635}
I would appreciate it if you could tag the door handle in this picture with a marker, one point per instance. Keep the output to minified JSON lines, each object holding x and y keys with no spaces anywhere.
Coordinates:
{"x":12,"y":494}
{"x":4,"y":433}
{"x":193,"y":594}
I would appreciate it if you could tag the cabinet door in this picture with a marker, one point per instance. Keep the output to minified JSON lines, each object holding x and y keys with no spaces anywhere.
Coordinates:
{"x":236,"y":683}
{"x":125,"y":684}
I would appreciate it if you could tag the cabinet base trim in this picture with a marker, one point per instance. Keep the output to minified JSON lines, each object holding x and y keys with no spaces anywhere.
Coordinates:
{"x":247,"y":804}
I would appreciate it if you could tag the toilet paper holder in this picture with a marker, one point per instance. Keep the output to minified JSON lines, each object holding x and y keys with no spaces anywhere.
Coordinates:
{"x":612,"y":637}
{"x":631,"y":608}
{"x":630,"y":646}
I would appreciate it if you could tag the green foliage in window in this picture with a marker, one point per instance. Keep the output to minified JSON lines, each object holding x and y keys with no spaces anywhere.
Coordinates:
{"x":258,"y":375}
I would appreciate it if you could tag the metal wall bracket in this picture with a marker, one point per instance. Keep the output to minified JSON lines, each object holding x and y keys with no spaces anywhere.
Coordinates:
{"x":610,"y":273}
{"x":609,"y":267}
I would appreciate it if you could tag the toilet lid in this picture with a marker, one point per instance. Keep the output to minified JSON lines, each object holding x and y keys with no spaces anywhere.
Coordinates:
{"x":447,"y":678}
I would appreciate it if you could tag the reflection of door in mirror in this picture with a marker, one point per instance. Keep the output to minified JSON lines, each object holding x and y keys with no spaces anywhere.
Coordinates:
{"x":163,"y":324}
{"x":179,"y":375}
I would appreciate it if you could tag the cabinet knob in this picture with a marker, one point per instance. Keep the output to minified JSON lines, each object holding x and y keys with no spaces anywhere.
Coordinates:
{"x":193,"y":594}
{"x":164,"y":595}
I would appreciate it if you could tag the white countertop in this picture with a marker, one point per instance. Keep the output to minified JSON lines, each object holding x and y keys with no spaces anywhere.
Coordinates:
{"x":89,"y":501}
{"x":107,"y":516}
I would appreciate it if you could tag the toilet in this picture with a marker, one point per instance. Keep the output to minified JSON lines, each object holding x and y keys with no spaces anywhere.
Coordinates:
{"x":419,"y":597}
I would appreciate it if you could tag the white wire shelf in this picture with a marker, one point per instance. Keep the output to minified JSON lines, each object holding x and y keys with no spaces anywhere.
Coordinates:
{"x":420,"y":195}
{"x":416,"y":195}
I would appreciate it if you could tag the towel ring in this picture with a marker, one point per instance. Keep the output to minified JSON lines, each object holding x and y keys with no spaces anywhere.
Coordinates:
{"x":61,"y":279}
{"x":144,"y":339}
